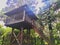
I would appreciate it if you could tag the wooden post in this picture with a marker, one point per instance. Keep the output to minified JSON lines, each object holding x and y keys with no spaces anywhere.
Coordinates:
{"x":11,"y":36}
{"x":21,"y":40}
{"x":28,"y":36}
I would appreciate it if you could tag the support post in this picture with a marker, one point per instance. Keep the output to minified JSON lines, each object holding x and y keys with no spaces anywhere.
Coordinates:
{"x":21,"y":39}
{"x":28,"y":36}
{"x":11,"y":36}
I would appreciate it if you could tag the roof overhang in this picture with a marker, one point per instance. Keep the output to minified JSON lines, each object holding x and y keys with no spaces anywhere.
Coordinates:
{"x":18,"y":10}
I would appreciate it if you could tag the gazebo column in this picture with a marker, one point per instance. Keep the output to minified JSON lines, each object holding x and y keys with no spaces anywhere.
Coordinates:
{"x":12,"y":37}
{"x":28,"y":36}
{"x":21,"y":36}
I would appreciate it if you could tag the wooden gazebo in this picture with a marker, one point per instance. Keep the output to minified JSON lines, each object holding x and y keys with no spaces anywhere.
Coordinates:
{"x":22,"y":18}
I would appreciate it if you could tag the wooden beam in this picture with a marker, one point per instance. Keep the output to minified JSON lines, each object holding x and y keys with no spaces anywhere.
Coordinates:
{"x":28,"y":36}
{"x":21,"y":39}
{"x":16,"y":39}
{"x":18,"y":36}
{"x":11,"y":36}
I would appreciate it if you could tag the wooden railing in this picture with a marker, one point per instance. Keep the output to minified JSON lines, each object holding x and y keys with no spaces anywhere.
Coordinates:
{"x":14,"y":19}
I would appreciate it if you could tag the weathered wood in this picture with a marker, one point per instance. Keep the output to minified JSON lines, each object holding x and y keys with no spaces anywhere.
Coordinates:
{"x":16,"y":39}
{"x":21,"y":39}
{"x":20,"y":17}
{"x":11,"y":36}
{"x":16,"y":18}
{"x":28,"y":36}
{"x":18,"y":36}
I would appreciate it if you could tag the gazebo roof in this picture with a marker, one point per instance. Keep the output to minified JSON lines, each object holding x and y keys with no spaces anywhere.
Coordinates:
{"x":18,"y":10}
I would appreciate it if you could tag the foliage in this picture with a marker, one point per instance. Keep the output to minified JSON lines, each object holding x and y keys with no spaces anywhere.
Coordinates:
{"x":58,"y":26}
{"x":31,"y":36}
{"x":4,"y":35}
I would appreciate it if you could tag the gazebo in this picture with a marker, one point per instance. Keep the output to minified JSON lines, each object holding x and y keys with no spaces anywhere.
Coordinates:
{"x":23,"y":18}
{"x":20,"y":18}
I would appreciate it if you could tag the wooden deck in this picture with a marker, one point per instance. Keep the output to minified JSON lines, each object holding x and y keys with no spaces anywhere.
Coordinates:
{"x":18,"y":21}
{"x":25,"y":23}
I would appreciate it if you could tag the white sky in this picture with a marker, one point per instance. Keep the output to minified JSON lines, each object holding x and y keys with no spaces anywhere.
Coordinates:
{"x":2,"y":4}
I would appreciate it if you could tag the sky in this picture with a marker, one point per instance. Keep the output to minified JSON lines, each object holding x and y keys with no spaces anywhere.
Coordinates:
{"x":2,"y":4}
